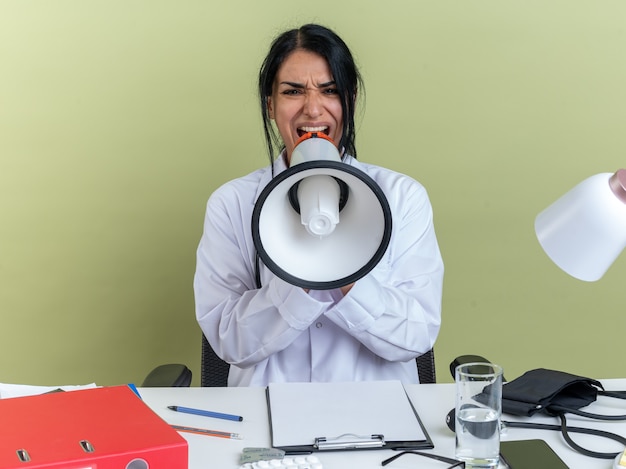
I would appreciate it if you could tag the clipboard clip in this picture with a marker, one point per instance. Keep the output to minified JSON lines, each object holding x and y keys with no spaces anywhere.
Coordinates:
{"x":349,"y":441}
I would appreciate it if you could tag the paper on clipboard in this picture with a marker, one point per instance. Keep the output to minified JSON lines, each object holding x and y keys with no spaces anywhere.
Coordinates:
{"x":304,"y":414}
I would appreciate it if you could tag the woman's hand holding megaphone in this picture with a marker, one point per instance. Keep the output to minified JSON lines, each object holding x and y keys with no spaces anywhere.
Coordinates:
{"x":345,"y":289}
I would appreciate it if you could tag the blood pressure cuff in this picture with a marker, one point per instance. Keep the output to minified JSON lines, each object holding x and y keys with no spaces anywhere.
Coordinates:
{"x":549,"y":391}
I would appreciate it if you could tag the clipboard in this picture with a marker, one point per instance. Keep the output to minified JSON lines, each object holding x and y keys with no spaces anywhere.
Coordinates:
{"x":309,"y":417}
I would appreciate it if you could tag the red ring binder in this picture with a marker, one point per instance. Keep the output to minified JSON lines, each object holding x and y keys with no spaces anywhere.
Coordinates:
{"x":103,"y":428}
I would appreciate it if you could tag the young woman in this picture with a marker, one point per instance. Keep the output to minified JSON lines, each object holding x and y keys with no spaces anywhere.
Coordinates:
{"x":271,"y":331}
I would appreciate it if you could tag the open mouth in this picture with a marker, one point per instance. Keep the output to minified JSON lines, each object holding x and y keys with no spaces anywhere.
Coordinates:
{"x":304,"y":130}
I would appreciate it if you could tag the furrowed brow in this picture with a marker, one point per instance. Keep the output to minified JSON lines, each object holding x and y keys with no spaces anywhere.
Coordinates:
{"x":327,"y":84}
{"x":302,"y":86}
{"x":292,"y":84}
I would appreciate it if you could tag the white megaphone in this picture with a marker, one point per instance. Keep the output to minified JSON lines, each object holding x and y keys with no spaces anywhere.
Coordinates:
{"x":321,"y":223}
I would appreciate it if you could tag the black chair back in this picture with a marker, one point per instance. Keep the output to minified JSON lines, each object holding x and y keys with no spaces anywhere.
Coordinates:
{"x":426,"y":367}
{"x":214,"y":370}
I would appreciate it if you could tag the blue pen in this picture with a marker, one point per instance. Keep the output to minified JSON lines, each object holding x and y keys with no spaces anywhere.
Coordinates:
{"x":205,"y":413}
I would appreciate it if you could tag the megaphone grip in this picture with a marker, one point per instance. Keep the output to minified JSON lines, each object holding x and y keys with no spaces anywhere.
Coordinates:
{"x":318,"y":197}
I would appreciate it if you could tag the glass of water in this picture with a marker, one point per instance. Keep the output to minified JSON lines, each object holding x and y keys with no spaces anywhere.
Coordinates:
{"x":478,"y":411}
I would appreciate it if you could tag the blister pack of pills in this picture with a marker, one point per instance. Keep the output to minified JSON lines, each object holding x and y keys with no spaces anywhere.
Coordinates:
{"x":288,"y":462}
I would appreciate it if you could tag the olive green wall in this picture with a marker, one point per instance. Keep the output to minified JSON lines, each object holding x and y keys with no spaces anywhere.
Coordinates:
{"x":118,"y":118}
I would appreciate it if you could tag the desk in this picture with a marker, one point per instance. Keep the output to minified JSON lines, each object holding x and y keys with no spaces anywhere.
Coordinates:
{"x":432,"y":401}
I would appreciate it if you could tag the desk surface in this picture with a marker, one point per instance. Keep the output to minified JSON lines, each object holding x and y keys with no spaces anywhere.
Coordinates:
{"x":432,"y":401}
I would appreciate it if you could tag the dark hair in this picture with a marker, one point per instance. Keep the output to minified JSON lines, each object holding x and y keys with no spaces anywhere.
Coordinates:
{"x":324,"y":42}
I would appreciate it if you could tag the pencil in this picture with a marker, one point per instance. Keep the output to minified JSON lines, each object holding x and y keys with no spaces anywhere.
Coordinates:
{"x":204,"y":431}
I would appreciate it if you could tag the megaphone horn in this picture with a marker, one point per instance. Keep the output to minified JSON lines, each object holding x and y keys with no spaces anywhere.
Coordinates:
{"x":321,"y":223}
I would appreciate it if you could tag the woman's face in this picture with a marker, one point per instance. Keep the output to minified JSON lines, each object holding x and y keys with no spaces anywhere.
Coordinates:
{"x":305,"y":99}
